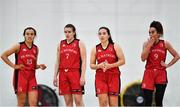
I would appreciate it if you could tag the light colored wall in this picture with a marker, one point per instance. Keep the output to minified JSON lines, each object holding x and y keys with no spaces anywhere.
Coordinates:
{"x":8,"y":38}
{"x":128,"y":21}
{"x":0,"y":44}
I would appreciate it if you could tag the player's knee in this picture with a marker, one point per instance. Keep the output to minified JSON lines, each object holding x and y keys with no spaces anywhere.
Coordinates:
{"x":113,"y":103}
{"x":69,"y":102}
{"x":103,"y":102}
{"x":33,"y":102}
{"x":79,"y":102}
{"x":21,"y":102}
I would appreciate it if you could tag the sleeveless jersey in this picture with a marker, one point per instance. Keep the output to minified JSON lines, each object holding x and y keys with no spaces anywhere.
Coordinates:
{"x":107,"y":55}
{"x":27,"y":57}
{"x":157,"y":54}
{"x":70,"y":54}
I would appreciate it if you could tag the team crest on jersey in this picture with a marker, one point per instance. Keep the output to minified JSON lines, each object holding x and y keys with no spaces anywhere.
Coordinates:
{"x":74,"y":45}
{"x":110,"y":49}
{"x":63,"y":45}
{"x":99,"y":50}
{"x":24,"y":50}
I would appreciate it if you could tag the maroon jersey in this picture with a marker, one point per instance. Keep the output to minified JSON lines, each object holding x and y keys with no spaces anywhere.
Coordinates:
{"x":27,"y":57}
{"x":70,"y":54}
{"x":157,"y":54}
{"x":107,"y":55}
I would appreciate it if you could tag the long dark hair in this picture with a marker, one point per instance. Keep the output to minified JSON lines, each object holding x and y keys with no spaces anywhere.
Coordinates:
{"x":109,"y":33}
{"x":158,"y":26}
{"x":73,"y":29}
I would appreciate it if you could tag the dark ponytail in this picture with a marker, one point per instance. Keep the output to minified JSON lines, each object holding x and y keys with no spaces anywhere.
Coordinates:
{"x":109,"y":33}
{"x":73,"y":29}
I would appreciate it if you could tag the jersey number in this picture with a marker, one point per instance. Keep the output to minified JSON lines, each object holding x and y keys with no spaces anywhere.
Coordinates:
{"x":67,"y":56}
{"x":155,"y":56}
{"x":29,"y":61}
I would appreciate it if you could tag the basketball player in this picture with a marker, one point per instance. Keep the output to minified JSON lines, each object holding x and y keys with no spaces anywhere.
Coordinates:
{"x":26,"y":55}
{"x":154,"y":53}
{"x":71,"y":66}
{"x":109,"y":57}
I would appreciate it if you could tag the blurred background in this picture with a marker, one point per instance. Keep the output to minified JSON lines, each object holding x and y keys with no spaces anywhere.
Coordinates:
{"x":128,"y":21}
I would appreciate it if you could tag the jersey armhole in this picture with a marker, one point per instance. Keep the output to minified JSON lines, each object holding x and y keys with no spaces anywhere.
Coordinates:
{"x":20,"y":43}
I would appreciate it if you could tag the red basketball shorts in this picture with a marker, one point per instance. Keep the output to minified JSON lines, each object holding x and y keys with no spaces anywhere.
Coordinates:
{"x":23,"y":84}
{"x":69,"y":82}
{"x":107,"y":83}
{"x":152,"y":77}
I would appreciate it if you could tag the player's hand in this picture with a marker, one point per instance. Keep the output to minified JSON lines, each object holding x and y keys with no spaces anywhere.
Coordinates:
{"x":82,"y":81}
{"x":42,"y":66}
{"x":151,"y":41}
{"x":164,"y":64}
{"x":102,"y":66}
{"x":55,"y":82}
{"x":107,"y":66}
{"x":19,"y":66}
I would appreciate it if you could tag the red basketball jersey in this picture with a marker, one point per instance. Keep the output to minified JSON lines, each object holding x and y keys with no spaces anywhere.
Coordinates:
{"x":70,"y":54}
{"x":27,"y":57}
{"x":108,"y":55}
{"x":157,"y":54}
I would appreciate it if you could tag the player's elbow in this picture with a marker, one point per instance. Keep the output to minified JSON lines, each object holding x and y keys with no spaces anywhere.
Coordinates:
{"x":3,"y":56}
{"x":178,"y":56}
{"x":92,"y":66}
{"x":123,"y":62}
{"x":143,"y":58}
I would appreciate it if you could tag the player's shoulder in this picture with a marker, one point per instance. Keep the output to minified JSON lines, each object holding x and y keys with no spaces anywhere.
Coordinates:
{"x":62,"y":41}
{"x":167,"y":43}
{"x":98,"y":45}
{"x":116,"y":46}
{"x":145,"y":43}
{"x":79,"y":41}
{"x":35,"y":45}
